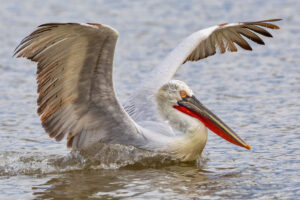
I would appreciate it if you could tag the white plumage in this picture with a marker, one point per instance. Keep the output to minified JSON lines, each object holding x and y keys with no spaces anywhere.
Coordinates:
{"x":77,"y":98}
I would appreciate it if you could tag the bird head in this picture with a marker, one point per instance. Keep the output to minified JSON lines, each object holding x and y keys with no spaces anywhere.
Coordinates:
{"x":175,"y":100}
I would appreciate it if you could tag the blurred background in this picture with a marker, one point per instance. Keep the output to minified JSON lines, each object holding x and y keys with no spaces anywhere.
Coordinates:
{"x":256,"y":93}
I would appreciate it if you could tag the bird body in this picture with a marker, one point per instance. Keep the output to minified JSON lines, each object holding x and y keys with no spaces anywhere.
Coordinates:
{"x":77,"y":97}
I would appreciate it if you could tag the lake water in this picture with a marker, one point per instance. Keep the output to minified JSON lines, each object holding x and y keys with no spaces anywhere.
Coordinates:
{"x":256,"y":93}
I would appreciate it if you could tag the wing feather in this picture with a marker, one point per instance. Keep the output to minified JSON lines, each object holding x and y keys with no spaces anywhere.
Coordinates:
{"x":220,"y":42}
{"x":197,"y":46}
{"x":259,"y":30}
{"x":74,"y":75}
{"x":239,"y":40}
{"x":228,"y":38}
{"x":250,"y":35}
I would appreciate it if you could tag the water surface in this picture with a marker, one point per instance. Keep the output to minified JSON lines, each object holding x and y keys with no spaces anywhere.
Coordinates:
{"x":257,"y":93}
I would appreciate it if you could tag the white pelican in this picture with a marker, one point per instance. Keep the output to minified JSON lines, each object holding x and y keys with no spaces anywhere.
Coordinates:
{"x":77,"y":97}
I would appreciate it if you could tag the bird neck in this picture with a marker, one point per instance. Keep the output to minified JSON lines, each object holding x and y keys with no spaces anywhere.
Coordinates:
{"x":189,"y":146}
{"x":177,"y":119}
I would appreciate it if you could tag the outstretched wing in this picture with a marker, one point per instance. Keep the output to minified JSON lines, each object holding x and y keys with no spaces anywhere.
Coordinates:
{"x":74,"y":76}
{"x":198,"y":45}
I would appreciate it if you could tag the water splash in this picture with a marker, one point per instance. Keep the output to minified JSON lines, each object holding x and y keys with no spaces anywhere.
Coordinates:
{"x":98,"y":156}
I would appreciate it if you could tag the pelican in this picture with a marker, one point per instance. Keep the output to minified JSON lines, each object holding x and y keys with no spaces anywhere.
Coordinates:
{"x":77,"y":97}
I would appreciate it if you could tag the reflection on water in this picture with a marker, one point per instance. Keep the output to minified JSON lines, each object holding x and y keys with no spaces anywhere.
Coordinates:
{"x":257,"y":93}
{"x":107,"y":184}
{"x":183,"y":180}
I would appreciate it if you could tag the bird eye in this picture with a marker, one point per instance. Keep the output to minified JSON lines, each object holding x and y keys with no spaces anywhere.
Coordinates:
{"x":183,"y":94}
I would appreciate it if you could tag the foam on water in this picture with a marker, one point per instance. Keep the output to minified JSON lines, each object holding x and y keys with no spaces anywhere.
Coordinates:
{"x":99,"y":156}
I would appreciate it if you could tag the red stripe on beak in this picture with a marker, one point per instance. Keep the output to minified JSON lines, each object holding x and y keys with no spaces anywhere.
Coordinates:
{"x":213,"y":126}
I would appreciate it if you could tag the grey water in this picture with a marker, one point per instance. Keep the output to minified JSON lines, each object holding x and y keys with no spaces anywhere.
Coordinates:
{"x":256,"y":93}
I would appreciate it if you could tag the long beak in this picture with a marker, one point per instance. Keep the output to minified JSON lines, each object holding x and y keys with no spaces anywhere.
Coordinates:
{"x":193,"y":107}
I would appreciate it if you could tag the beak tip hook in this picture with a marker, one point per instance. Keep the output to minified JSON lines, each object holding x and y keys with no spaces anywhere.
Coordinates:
{"x":248,"y":147}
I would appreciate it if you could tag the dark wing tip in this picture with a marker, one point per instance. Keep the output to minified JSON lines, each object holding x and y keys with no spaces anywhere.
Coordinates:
{"x":265,"y":23}
{"x":273,"y":20}
{"x":55,"y":24}
{"x":70,"y":141}
{"x":248,"y":47}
